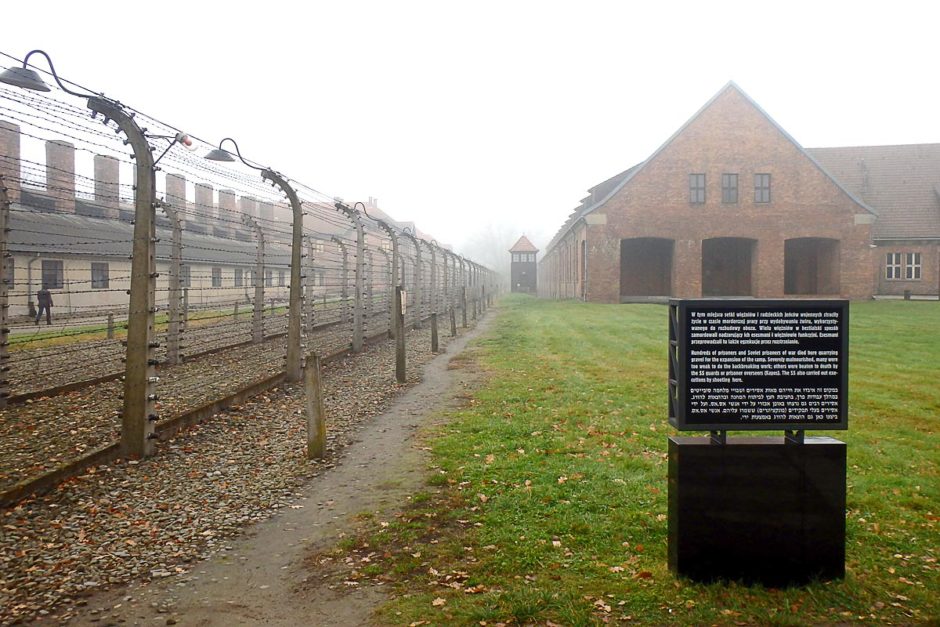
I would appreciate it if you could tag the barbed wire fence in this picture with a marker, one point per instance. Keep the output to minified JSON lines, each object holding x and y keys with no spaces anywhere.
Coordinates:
{"x":175,"y":281}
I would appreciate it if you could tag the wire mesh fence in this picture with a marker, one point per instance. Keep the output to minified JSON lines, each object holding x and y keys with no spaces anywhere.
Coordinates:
{"x":240,"y":273}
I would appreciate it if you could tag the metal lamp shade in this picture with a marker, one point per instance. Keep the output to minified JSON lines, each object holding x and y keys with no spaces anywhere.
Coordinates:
{"x":25,"y":78}
{"x":217,"y":154}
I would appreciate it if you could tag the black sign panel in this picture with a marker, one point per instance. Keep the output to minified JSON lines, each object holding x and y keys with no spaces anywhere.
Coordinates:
{"x":758,"y":364}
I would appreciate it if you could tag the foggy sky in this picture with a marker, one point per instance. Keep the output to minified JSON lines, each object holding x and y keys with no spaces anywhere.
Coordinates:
{"x":474,"y":118}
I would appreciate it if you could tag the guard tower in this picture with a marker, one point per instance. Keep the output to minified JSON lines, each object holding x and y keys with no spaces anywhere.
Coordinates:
{"x":523,"y":270}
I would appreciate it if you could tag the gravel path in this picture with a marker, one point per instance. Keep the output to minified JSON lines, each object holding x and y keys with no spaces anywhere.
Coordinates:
{"x":151,"y":520}
{"x":45,"y":433}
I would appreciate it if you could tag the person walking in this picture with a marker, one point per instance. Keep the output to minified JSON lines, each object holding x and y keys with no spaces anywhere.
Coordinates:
{"x":44,"y":296}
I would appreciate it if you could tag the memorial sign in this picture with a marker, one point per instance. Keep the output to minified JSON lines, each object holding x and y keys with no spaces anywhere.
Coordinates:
{"x":758,"y":364}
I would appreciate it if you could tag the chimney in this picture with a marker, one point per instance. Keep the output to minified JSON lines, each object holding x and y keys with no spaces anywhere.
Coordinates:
{"x":176,"y":194}
{"x":60,"y":174}
{"x":107,"y":188}
{"x":205,"y":206}
{"x":227,"y":217}
{"x":10,"y":158}
{"x":248,"y":207}
{"x":266,"y":212}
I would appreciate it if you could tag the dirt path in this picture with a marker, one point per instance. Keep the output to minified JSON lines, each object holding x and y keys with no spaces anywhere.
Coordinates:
{"x":259,"y":579}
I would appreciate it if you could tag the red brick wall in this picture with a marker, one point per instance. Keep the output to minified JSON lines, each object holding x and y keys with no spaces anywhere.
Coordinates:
{"x":730,"y":136}
{"x":929,"y":262}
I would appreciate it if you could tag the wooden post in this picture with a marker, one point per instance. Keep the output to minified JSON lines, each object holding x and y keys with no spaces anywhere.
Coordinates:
{"x":399,"y":338}
{"x":463,"y":307}
{"x":316,"y":419}
{"x":434,"y":345}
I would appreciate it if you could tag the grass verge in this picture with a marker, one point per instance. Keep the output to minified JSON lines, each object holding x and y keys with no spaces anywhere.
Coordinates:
{"x":547,"y":502}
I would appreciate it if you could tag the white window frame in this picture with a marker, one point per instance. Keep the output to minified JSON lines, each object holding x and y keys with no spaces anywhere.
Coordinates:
{"x":912,"y":266}
{"x":103,"y":279}
{"x":893,"y":265}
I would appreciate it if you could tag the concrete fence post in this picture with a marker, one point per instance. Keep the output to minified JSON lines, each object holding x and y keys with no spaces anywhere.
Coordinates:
{"x":110,"y":331}
{"x":173,"y":294}
{"x":292,"y":368}
{"x":354,"y":217}
{"x":344,"y":281}
{"x":257,"y":318}
{"x":5,"y":262}
{"x":393,"y":270}
{"x":309,"y":297}
{"x":138,"y":418}
{"x":391,"y":295}
{"x":432,"y":301}
{"x":416,"y":298}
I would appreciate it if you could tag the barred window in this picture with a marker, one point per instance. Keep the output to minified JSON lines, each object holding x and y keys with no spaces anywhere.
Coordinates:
{"x":216,"y":277}
{"x":280,"y":278}
{"x":185,"y":276}
{"x":239,"y":277}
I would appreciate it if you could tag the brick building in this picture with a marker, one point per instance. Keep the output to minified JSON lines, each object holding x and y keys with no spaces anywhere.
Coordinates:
{"x":732,"y":205}
{"x":523,"y":272}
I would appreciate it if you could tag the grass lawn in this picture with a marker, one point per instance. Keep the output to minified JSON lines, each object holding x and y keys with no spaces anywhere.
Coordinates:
{"x":547,"y":502}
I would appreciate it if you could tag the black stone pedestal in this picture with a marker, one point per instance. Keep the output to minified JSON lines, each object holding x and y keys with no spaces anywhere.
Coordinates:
{"x":758,"y":510}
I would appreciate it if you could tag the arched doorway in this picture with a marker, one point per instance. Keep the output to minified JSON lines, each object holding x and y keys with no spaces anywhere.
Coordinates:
{"x":727,"y":266}
{"x":811,"y":266}
{"x":645,"y":267}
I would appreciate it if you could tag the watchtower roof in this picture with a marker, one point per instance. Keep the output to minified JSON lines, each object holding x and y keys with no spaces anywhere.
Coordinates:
{"x":523,"y":246}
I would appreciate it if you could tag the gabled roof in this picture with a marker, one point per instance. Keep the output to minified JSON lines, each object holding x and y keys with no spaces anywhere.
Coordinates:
{"x":523,"y":246}
{"x":599,"y":195}
{"x":615,"y":184}
{"x":901,"y":182}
